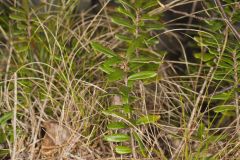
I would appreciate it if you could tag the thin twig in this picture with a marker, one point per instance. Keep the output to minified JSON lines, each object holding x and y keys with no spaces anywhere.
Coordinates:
{"x":192,"y":15}
{"x":14,"y":122}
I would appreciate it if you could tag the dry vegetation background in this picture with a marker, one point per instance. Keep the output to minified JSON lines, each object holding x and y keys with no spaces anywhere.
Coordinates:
{"x":53,"y":92}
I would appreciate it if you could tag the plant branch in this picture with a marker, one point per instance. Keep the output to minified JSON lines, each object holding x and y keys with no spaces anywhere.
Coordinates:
{"x":226,"y":19}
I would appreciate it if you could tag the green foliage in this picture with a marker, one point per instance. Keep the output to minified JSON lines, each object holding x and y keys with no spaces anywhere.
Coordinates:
{"x":221,"y":53}
{"x":117,"y":138}
{"x":123,"y":149}
{"x":48,"y":47}
{"x":142,"y":75}
{"x":127,"y":68}
{"x":116,"y":125}
{"x":100,"y":48}
{"x":36,"y":41}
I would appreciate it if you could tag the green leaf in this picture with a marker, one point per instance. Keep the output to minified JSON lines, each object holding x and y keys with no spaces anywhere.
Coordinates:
{"x":127,"y":109}
{"x":123,"y":38}
{"x":142,"y":75}
{"x":227,"y":60}
{"x":117,"y":138}
{"x":100,"y":48}
{"x":106,"y":69}
{"x":148,"y":17}
{"x":222,"y":96}
{"x":116,"y":125}
{"x":126,"y":3}
{"x":147,"y":119}
{"x":124,"y":90}
{"x":22,"y":26}
{"x":223,"y":64}
{"x":224,"y":108}
{"x":135,"y":66}
{"x":107,"y":66}
{"x":211,"y":51}
{"x":18,"y":17}
{"x":138,"y":3}
{"x":126,"y":12}
{"x":222,"y":75}
{"x":118,"y":74}
{"x":144,"y":60}
{"x":123,"y":22}
{"x":112,"y":61}
{"x":14,"y":9}
{"x":123,"y":150}
{"x":152,"y":41}
{"x":5,"y":117}
{"x":204,"y":57}
{"x":215,"y":25}
{"x":134,"y":44}
{"x":150,"y":27}
{"x":149,"y":4}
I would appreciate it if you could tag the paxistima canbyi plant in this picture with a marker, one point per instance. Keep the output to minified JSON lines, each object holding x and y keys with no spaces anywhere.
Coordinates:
{"x":134,"y":64}
{"x":222,"y":54}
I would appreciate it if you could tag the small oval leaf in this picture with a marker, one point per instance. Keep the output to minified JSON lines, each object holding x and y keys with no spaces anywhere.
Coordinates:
{"x":100,"y":48}
{"x":112,"y":61}
{"x":125,"y":12}
{"x":117,"y":138}
{"x":144,"y":60}
{"x":151,"y":27}
{"x":123,"y":149}
{"x":123,"y":22}
{"x":123,"y":38}
{"x":142,"y":75}
{"x":106,"y":69}
{"x":149,"y":4}
{"x":116,"y":125}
